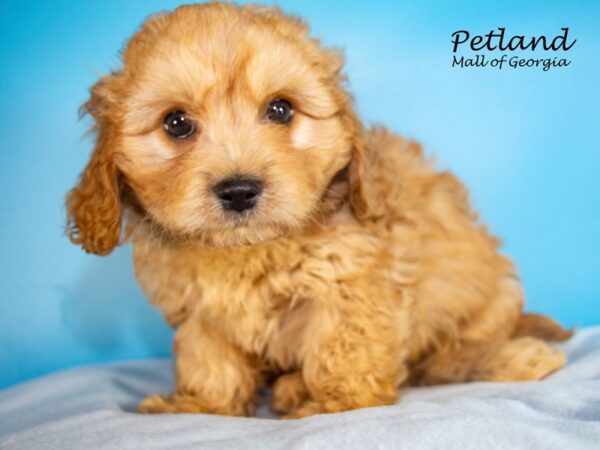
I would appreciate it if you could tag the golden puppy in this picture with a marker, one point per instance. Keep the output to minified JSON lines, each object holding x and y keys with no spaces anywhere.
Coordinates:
{"x":282,"y":238}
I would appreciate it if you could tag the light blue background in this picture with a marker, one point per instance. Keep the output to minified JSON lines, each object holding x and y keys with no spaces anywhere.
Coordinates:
{"x":526,"y":142}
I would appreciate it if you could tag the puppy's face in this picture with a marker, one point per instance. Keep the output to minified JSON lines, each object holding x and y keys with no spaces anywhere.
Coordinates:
{"x":227,"y":123}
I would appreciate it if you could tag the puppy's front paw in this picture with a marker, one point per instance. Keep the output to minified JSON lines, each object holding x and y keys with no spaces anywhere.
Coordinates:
{"x":157,"y":404}
{"x":289,"y":392}
{"x":307,"y":408}
{"x":154,"y":404}
{"x":312,"y":407}
{"x":182,"y":403}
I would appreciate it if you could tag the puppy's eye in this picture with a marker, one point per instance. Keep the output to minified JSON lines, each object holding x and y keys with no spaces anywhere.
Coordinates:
{"x":280,"y":111}
{"x":178,"y":126}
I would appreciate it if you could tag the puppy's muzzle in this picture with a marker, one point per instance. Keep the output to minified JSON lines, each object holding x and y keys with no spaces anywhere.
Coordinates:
{"x":238,"y":194}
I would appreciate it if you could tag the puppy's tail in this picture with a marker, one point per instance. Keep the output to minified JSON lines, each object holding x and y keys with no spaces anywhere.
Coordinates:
{"x":542,"y":327}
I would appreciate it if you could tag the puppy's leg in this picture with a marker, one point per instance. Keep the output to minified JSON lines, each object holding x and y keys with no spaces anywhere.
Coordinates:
{"x":359,"y":364}
{"x":212,"y":377}
{"x":520,"y":359}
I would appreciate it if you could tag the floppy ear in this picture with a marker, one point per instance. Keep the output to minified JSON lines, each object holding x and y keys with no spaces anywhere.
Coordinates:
{"x":94,"y":204}
{"x":357,"y":177}
{"x":363,"y":200}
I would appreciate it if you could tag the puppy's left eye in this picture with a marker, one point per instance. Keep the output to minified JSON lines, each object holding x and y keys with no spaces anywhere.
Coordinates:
{"x":279,"y":111}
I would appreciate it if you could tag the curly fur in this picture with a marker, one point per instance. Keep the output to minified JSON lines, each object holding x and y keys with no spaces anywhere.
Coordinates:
{"x":362,"y":269}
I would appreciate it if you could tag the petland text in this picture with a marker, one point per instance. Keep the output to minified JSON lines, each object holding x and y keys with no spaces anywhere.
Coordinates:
{"x":497,"y":40}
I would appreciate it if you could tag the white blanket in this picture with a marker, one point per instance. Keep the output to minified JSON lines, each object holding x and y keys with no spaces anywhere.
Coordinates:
{"x":93,"y":407}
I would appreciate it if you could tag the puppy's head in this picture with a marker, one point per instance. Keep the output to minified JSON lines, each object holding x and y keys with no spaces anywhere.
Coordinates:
{"x":226,"y":124}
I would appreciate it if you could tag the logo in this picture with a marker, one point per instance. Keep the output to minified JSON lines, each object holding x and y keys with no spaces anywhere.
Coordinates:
{"x":478,"y":46}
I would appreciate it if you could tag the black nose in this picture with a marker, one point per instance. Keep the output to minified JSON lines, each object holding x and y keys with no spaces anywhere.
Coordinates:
{"x":238,"y":194}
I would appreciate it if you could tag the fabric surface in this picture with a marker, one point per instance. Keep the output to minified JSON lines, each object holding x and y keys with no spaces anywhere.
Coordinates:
{"x":93,"y":407}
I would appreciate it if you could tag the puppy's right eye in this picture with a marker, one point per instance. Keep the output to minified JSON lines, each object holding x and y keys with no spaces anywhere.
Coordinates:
{"x":178,"y":126}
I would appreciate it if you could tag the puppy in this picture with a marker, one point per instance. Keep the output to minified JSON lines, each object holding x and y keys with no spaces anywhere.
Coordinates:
{"x":283,"y":239}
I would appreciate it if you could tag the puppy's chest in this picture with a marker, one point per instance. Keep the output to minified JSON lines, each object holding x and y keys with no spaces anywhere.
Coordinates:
{"x":243,"y":290}
{"x":264,"y":297}
{"x":258,"y":299}
{"x":246,"y":293}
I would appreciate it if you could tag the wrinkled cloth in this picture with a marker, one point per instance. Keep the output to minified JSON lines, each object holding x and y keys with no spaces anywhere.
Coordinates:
{"x":94,"y":407}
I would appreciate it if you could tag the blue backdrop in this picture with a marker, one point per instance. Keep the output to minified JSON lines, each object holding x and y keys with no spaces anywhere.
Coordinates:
{"x":525,"y":141}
